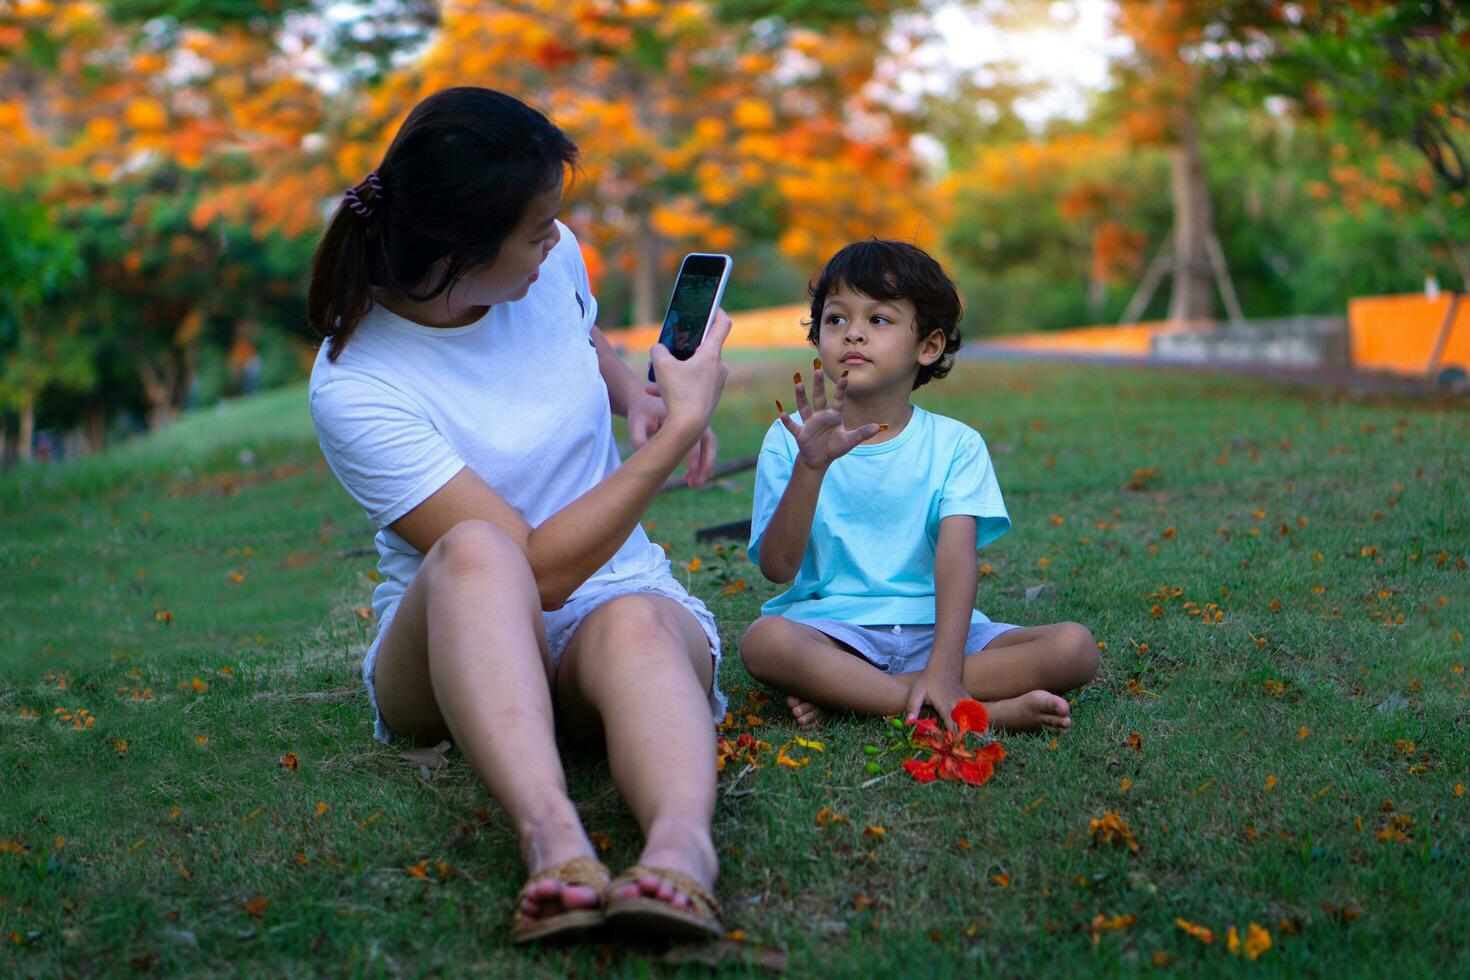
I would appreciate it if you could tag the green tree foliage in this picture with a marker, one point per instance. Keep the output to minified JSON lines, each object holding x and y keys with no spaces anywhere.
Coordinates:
{"x":38,"y":351}
{"x":1398,"y":71}
{"x":209,"y":14}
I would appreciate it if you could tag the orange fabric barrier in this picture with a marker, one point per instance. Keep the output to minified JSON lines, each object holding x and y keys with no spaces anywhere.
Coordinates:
{"x":774,"y":327}
{"x":780,"y":327}
{"x":1130,"y":340}
{"x":1398,"y":333}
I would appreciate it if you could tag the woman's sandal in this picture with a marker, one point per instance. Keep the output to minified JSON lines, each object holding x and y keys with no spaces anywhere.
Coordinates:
{"x":583,"y":871}
{"x":653,"y":917}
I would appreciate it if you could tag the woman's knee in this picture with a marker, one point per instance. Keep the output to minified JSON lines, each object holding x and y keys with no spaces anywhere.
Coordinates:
{"x":634,"y":626}
{"x":475,"y":547}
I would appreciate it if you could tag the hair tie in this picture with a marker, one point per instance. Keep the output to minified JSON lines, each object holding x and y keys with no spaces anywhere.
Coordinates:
{"x":356,"y":203}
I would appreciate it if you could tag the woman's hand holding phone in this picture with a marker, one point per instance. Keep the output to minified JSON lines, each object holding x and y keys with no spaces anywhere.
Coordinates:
{"x":691,"y":388}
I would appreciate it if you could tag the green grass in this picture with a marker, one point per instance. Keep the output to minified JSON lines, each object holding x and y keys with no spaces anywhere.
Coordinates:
{"x":1305,"y":518}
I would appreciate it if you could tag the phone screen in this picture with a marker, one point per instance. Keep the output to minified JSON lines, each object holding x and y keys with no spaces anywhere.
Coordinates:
{"x":695,"y":294}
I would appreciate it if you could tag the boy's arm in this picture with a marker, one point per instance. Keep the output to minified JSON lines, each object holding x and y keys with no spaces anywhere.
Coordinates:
{"x":783,"y":545}
{"x":956,"y":579}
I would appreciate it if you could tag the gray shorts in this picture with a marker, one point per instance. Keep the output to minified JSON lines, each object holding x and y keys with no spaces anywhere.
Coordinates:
{"x":900,"y":649}
{"x":561,"y":625}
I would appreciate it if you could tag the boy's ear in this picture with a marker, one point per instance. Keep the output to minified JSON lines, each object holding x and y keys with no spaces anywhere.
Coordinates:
{"x":931,"y":348}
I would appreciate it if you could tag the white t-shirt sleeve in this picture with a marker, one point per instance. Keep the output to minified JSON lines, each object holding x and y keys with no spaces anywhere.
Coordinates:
{"x":970,"y":489}
{"x":381,"y":446}
{"x":585,"y":300}
{"x":772,"y":472}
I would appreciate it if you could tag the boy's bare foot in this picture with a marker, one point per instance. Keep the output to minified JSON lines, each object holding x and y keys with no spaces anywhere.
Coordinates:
{"x":807,"y":715}
{"x":1032,"y":711}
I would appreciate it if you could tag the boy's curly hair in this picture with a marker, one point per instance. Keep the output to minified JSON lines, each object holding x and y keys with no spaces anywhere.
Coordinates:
{"x":895,"y":270}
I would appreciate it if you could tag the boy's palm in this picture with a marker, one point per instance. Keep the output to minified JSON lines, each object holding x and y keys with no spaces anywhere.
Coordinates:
{"x":822,"y":437}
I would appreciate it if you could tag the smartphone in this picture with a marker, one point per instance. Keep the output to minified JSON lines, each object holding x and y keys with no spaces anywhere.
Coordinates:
{"x":697,"y":294}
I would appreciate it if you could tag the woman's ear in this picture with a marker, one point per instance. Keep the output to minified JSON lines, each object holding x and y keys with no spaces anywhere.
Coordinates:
{"x":931,"y":348}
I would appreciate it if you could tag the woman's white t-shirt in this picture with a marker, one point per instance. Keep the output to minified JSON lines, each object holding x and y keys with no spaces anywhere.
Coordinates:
{"x":517,"y":396}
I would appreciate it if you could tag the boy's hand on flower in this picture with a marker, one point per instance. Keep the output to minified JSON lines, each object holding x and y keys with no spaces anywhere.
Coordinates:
{"x":940,"y":693}
{"x":822,"y":438}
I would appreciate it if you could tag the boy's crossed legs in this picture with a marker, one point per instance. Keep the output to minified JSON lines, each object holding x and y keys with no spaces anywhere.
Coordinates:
{"x":1018,"y":676}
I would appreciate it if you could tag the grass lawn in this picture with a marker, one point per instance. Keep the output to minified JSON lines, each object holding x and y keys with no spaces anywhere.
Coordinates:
{"x":1278,"y":577}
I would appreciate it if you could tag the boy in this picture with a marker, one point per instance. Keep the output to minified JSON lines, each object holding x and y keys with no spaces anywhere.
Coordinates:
{"x":872,"y":509}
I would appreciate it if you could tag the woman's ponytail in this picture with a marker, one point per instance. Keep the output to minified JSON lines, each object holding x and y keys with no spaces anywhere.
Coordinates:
{"x":340,"y":293}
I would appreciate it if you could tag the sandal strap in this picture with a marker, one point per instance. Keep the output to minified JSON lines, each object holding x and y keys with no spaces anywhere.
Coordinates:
{"x":583,"y":871}
{"x":704,"y":903}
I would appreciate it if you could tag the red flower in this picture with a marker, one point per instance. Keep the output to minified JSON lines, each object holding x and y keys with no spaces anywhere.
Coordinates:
{"x":951,"y":756}
{"x":924,"y":728}
{"x":970,"y":716}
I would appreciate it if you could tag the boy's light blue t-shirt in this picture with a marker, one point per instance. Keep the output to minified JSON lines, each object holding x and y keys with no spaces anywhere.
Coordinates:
{"x":870,"y":557}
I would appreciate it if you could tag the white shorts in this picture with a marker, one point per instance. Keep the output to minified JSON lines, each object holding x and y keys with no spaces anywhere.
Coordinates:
{"x":562,"y":624}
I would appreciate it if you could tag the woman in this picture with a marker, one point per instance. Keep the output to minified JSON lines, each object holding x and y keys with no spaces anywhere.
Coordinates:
{"x":464,"y":398}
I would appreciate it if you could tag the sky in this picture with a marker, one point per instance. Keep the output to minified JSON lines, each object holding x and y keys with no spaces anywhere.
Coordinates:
{"x":1067,"y":52}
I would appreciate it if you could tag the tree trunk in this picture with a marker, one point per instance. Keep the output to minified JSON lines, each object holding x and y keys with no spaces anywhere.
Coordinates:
{"x":645,"y":271}
{"x":1194,"y":223}
{"x":96,"y":430}
{"x":158,"y":390}
{"x":1460,"y":256}
{"x":1097,"y":286}
{"x":1459,"y":251}
{"x":27,"y":430}
{"x":185,"y":397}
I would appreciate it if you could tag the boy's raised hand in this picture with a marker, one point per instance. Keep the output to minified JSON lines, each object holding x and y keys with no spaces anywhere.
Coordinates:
{"x":822,"y":437}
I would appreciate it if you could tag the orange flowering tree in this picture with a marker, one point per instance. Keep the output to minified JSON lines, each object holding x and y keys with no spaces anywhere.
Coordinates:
{"x":1182,"y":50}
{"x":1075,"y":207}
{"x":1379,"y":74}
{"x":192,"y":148}
{"x":702,"y":127}
{"x":1376,"y":70}
{"x":176,"y":155}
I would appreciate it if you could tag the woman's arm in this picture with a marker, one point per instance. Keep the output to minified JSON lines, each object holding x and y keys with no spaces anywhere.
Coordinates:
{"x":574,"y":542}
{"x":577,"y":540}
{"x":631,"y":397}
{"x":623,"y":386}
{"x":956,"y":579}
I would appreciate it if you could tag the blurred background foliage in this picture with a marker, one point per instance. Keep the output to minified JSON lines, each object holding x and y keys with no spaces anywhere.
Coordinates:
{"x":166,"y":165}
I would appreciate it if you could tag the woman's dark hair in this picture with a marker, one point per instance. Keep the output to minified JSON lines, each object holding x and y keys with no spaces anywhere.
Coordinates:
{"x":454,"y":183}
{"x":895,"y":270}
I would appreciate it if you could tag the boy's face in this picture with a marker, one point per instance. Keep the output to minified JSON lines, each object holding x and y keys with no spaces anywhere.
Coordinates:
{"x":875,"y":340}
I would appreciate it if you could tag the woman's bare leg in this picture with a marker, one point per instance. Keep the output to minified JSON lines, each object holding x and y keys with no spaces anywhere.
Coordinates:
{"x":639,"y":667}
{"x":465,"y":657}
